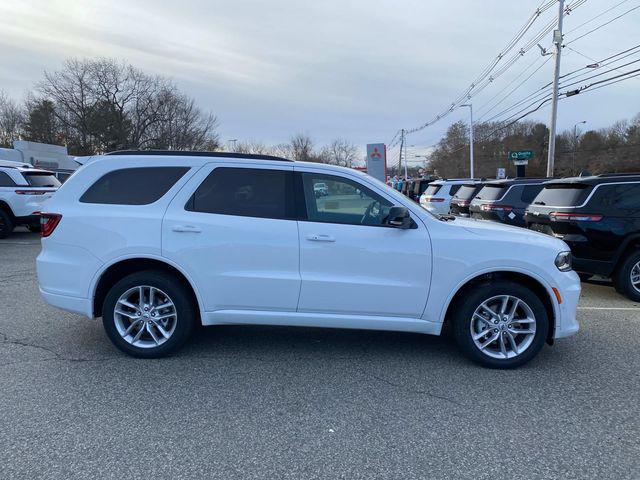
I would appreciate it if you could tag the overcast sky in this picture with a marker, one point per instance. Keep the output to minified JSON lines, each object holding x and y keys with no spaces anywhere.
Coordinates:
{"x":351,"y":68}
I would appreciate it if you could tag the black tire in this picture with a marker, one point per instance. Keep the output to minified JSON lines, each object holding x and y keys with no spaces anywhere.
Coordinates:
{"x":467,"y":305}
{"x":6,"y":224}
{"x":622,"y":277}
{"x":34,"y":228}
{"x":184,"y":306}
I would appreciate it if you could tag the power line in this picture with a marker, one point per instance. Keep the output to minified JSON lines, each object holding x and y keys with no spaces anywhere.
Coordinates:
{"x":484,"y":77}
{"x":596,"y":17}
{"x":603,"y":25}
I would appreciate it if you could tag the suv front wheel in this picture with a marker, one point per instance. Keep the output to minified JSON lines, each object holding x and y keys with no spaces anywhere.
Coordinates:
{"x":627,"y":277}
{"x":500,"y":324}
{"x":148,"y":314}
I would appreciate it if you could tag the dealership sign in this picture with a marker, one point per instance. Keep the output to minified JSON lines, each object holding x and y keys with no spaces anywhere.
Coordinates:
{"x":377,"y":161}
{"x":521,"y":157}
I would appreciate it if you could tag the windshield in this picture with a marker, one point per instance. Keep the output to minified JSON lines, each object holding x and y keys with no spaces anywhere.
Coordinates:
{"x":466,"y":192}
{"x":563,"y":195}
{"x":491,"y":192}
{"x":432,"y":190}
{"x":41,"y":179}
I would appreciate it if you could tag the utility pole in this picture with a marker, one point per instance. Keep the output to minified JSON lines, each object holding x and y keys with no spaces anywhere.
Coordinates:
{"x":575,"y":141}
{"x":470,"y":135}
{"x":557,"y":41}
{"x":401,"y":147}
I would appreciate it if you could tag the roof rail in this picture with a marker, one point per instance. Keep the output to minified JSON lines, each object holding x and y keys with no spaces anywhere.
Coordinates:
{"x":178,"y":153}
{"x":631,"y":174}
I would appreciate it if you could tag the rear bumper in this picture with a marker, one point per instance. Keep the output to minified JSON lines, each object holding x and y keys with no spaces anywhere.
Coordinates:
{"x":82,"y":306}
{"x":28,"y":220}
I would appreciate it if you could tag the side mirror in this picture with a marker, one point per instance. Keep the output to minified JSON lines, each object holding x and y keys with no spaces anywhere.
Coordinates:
{"x":399,"y":217}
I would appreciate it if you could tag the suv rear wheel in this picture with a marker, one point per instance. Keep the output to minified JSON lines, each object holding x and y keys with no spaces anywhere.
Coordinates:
{"x":627,"y":277}
{"x":6,"y":224}
{"x":148,"y":314}
{"x":500,"y":325}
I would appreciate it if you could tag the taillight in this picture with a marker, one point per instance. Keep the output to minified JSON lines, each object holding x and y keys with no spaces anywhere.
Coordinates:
{"x":574,"y":217}
{"x":496,"y":208}
{"x":49,"y":222}
{"x":461,"y":203}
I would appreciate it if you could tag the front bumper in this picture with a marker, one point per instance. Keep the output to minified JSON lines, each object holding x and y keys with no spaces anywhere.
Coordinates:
{"x":566,"y":320}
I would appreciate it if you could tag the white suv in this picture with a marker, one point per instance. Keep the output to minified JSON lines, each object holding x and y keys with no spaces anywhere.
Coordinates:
{"x":156,"y":242}
{"x":23,"y":190}
{"x":437,"y":197}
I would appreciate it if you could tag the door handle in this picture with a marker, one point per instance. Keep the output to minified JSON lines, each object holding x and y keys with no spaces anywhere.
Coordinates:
{"x":317,"y":237}
{"x":186,"y":229}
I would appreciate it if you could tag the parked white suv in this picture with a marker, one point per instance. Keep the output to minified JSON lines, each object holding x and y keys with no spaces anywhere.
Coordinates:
{"x":155,"y":243}
{"x":437,"y":197}
{"x":23,"y":190}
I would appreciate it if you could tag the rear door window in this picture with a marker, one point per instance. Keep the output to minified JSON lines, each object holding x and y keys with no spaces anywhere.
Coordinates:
{"x":42,"y":179}
{"x":133,"y":186}
{"x":562,"y":195}
{"x":491,"y":192}
{"x":246,"y":192}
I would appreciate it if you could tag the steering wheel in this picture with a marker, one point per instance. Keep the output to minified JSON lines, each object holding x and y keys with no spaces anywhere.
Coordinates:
{"x":372,"y":212}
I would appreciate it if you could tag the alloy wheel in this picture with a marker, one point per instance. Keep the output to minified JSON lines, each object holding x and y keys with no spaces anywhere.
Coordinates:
{"x":503,"y":327}
{"x":145,"y":316}
{"x":634,"y":277}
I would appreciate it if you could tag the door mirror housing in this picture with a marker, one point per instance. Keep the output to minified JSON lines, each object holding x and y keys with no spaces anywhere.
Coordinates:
{"x":399,"y":217}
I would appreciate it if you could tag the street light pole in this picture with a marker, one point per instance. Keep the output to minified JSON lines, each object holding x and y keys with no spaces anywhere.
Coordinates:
{"x":470,"y":136}
{"x":575,"y":140}
{"x":557,"y":41}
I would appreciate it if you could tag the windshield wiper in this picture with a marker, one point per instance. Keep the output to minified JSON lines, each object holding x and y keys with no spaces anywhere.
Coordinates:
{"x":446,"y":218}
{"x":539,"y":202}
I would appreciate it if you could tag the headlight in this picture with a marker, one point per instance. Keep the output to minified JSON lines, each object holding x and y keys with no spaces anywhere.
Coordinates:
{"x":563,"y":261}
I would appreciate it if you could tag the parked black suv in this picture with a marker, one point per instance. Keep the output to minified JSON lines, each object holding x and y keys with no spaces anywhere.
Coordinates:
{"x":599,"y":218}
{"x":505,"y":200}
{"x":462,"y":199}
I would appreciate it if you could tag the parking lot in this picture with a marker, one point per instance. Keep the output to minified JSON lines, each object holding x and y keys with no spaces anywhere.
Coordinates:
{"x":266,"y":402}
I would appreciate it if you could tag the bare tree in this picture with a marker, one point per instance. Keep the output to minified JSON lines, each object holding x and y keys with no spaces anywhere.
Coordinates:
{"x":302,"y":148}
{"x":340,"y":152}
{"x":103,"y":105}
{"x":10,"y":120}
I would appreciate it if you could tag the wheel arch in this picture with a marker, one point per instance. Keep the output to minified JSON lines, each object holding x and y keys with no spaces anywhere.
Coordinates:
{"x":525,"y":279}
{"x":123,"y":267}
{"x":5,"y":206}
{"x":630,"y":244}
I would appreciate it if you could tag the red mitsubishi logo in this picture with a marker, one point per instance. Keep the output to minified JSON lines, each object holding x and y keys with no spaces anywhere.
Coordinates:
{"x":375,"y":153}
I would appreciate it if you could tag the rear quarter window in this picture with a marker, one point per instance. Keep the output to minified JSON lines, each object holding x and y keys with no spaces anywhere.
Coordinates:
{"x":6,"y":180}
{"x":454,"y":189}
{"x":133,"y":186}
{"x":624,"y":196}
{"x":432,"y":190}
{"x":530,"y":192}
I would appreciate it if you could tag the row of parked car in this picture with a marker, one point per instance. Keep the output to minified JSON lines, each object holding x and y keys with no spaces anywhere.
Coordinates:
{"x":597,"y":216}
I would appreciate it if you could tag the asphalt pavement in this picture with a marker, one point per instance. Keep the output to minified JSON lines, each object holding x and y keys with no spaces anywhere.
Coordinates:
{"x":293,"y":403}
